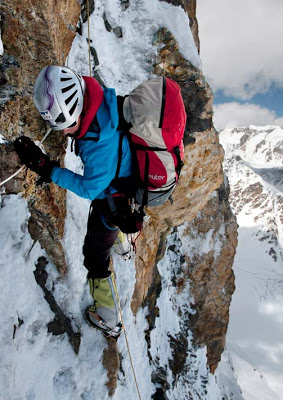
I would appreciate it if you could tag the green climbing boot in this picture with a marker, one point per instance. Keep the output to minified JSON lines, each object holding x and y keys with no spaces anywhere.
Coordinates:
{"x":104,"y":313}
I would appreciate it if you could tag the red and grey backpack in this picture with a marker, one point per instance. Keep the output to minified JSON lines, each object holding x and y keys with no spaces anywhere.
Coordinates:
{"x":156,"y":112}
{"x":156,"y":119}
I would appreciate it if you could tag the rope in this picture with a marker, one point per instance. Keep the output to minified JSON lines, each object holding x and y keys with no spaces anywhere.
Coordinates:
{"x":126,"y":338}
{"x":23,"y":167}
{"x":88,"y":31}
{"x":12,"y":176}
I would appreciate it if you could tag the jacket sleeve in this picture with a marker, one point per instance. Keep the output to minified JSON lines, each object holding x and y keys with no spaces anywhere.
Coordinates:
{"x":87,"y":187}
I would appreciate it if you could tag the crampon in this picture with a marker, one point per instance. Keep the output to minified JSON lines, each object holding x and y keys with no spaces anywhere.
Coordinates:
{"x":100,"y":324}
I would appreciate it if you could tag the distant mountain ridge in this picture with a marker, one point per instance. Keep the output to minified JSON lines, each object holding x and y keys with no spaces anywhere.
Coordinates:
{"x":253,"y":164}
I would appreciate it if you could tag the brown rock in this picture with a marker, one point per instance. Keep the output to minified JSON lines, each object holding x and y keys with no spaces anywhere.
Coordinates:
{"x":212,"y":278}
{"x":9,"y":164}
{"x":47,"y":207}
{"x":111,"y":362}
{"x":35,"y":34}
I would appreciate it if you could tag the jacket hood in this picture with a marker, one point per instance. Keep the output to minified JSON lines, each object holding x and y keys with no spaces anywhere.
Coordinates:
{"x":92,"y":101}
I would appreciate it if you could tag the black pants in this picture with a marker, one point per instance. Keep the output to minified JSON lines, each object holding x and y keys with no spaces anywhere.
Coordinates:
{"x":98,"y":241}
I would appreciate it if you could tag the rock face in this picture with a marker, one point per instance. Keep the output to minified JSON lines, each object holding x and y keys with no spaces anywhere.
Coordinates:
{"x":211,"y":276}
{"x":9,"y":164}
{"x":34,"y":35}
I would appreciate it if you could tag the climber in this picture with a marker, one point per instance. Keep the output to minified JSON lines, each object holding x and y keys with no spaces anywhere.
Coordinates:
{"x":87,"y":113}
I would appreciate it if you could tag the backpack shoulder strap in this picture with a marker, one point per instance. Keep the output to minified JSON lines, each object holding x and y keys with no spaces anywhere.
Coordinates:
{"x":120,"y":151}
{"x":163,"y":101}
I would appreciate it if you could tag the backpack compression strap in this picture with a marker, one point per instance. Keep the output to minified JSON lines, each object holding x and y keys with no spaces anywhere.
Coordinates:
{"x":180,"y":163}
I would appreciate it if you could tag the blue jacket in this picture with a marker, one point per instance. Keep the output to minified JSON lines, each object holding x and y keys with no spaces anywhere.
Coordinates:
{"x":99,"y":156}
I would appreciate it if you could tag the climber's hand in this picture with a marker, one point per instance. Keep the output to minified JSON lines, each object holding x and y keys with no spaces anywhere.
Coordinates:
{"x":32,"y":156}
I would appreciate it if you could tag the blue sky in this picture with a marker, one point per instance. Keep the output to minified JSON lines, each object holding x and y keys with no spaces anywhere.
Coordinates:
{"x":242,"y":57}
{"x":272,"y":100}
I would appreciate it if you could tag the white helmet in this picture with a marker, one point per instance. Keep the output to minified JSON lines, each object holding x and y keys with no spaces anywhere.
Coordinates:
{"x":58,"y":95}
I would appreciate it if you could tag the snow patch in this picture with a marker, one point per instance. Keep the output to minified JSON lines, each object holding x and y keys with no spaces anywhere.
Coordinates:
{"x":2,"y":139}
{"x":1,"y":44}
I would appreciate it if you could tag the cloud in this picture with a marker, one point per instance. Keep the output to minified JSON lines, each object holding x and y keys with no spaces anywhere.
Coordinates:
{"x":232,"y":115}
{"x":241,"y":45}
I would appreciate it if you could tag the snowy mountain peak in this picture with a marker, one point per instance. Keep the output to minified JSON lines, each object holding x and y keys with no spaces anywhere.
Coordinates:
{"x":253,"y":164}
{"x":257,"y":145}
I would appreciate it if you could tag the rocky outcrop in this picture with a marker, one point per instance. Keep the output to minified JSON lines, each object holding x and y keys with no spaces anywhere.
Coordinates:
{"x":9,"y":164}
{"x":61,"y":324}
{"x":211,"y":274}
{"x":111,"y":362}
{"x":190,"y":7}
{"x":34,"y":35}
{"x":201,"y":176}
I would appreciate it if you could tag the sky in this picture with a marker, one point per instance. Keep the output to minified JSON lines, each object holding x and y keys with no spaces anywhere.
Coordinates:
{"x":242,"y":58}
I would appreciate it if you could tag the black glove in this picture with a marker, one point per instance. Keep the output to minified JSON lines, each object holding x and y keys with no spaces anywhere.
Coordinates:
{"x":32,"y":156}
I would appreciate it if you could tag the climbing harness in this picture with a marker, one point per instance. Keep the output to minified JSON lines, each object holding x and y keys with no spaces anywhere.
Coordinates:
{"x":23,"y":167}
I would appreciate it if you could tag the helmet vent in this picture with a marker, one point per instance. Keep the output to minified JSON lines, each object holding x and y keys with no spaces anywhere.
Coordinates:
{"x":61,"y":118}
{"x":66,"y":89}
{"x":64,"y":72}
{"x":73,"y":107}
{"x":70,"y":98}
{"x":65,"y":79}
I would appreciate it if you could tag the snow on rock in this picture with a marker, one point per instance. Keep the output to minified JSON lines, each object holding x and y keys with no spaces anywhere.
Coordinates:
{"x":253,"y":163}
{"x":2,"y":139}
{"x":126,"y":61}
{"x":179,"y":369}
{"x":254,"y":167}
{"x":1,"y":45}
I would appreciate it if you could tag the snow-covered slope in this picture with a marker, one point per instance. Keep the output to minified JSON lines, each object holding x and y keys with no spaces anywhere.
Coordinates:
{"x":253,"y":163}
{"x":37,"y":365}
